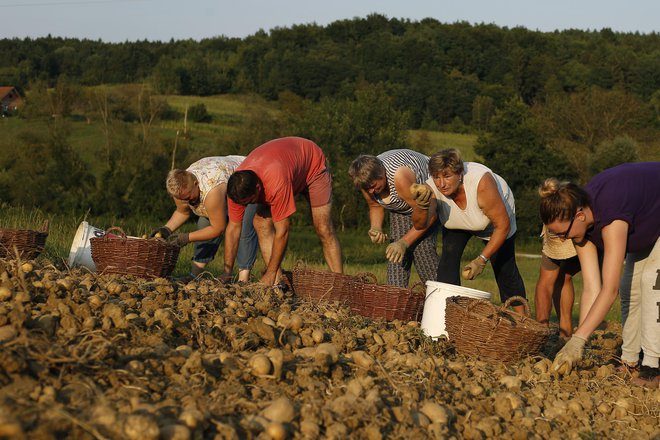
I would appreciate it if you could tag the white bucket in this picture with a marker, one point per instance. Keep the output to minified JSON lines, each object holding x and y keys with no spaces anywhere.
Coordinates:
{"x":433,"y":318}
{"x":81,"y":251}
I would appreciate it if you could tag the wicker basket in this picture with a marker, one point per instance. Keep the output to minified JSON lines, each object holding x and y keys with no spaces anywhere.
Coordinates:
{"x":28,"y":243}
{"x":319,"y":285}
{"x":479,"y":328}
{"x":146,"y":258}
{"x":388,"y":302}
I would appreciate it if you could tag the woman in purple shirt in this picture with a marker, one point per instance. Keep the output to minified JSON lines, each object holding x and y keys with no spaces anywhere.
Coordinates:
{"x":617,"y":214}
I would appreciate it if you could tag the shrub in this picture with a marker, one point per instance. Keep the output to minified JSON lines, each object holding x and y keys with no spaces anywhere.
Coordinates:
{"x":607,"y":154}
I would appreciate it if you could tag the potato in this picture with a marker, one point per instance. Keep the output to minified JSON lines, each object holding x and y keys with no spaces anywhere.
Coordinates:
{"x":276,"y":431}
{"x":5,"y":293}
{"x":280,"y":410}
{"x":260,"y":364}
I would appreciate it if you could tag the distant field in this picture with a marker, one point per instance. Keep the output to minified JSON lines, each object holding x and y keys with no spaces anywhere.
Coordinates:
{"x":440,"y":140}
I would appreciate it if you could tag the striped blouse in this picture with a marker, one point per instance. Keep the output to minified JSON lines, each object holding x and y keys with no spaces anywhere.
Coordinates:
{"x":393,"y":160}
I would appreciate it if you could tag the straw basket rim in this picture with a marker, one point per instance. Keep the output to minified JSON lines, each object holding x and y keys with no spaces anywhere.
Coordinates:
{"x":123,"y":255}
{"x":382,"y":301}
{"x":320,"y":285}
{"x":479,"y":328}
{"x":27,"y":243}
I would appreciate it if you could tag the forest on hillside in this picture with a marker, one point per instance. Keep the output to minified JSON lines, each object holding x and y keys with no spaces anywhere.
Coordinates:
{"x":567,"y":104}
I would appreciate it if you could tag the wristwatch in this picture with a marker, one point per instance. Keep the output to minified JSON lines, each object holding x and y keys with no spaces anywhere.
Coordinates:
{"x":483,"y":258}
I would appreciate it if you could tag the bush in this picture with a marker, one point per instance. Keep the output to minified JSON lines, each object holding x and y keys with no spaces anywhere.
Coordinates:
{"x":607,"y":154}
{"x":199,"y":113}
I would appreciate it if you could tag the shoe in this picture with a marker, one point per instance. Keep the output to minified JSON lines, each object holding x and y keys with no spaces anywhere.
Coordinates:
{"x":649,"y":377}
{"x":627,"y":369}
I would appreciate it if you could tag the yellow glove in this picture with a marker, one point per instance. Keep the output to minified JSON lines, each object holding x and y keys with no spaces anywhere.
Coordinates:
{"x":474,"y":268}
{"x":377,"y":235}
{"x":569,"y":355}
{"x":421,"y":194}
{"x":395,"y":251}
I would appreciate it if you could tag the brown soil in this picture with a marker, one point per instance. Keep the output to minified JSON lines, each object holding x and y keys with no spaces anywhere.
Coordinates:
{"x":84,"y":356}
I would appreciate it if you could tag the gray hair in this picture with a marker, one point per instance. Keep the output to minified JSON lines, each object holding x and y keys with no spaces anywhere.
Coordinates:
{"x":365,"y":169}
{"x":449,"y":159}
{"x":179,"y":181}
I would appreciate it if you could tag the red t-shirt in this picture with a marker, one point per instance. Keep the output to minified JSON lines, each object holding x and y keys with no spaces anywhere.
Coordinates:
{"x":285,"y":167}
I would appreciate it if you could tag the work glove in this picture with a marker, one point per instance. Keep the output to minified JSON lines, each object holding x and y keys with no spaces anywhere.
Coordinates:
{"x":569,"y":355}
{"x":474,"y":268}
{"x":164,"y":232}
{"x":377,"y":235}
{"x":421,"y":194}
{"x":180,"y":240}
{"x":395,"y":251}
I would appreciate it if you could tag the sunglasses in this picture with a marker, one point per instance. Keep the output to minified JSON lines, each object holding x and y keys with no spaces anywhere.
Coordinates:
{"x":564,"y":235}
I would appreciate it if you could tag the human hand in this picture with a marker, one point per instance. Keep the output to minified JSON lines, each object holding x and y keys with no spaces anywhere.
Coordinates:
{"x":180,"y":240}
{"x":377,"y":235}
{"x":421,"y":194}
{"x":226,"y":277}
{"x":395,"y":251}
{"x":569,"y":355}
{"x":162,"y":232}
{"x":474,"y":268}
{"x":268,"y":278}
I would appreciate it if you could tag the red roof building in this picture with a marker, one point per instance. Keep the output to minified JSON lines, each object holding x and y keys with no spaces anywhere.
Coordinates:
{"x":10,"y":100}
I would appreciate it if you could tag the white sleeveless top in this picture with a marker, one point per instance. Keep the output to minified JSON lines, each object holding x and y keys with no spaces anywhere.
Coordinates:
{"x":211,"y":172}
{"x":472,"y":218}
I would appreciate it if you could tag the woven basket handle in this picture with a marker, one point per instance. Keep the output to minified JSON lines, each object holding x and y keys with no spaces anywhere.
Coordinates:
{"x":475,"y":304}
{"x":367,"y":277}
{"x":115,"y":229}
{"x":418,"y":285}
{"x":508,"y":302}
{"x":44,"y":227}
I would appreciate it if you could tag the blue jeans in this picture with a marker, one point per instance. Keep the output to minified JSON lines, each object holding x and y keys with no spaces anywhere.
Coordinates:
{"x":247,"y":247}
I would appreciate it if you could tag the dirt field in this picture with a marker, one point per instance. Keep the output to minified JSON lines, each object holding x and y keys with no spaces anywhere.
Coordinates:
{"x":92,"y":357}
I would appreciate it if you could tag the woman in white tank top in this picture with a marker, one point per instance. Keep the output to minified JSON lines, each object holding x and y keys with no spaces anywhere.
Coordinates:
{"x":470,"y":200}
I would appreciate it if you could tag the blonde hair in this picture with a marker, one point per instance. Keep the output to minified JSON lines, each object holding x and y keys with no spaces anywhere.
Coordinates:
{"x":365,"y":169}
{"x":561,"y":200}
{"x":179,"y":181}
{"x":446,"y":159}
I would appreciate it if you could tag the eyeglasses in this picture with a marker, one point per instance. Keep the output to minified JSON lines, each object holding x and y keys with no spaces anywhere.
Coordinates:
{"x":564,"y":235}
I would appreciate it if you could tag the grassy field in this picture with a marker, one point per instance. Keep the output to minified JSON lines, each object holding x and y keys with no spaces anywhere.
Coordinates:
{"x":360,"y":255}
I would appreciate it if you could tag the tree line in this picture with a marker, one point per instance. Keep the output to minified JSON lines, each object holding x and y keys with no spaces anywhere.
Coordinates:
{"x":567,"y":104}
{"x":434,"y":71}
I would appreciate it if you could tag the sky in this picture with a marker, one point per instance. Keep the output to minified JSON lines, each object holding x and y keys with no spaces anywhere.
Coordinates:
{"x":163,"y":20}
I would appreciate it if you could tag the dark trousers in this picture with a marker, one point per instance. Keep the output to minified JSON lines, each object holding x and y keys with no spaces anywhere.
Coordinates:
{"x":507,"y":275}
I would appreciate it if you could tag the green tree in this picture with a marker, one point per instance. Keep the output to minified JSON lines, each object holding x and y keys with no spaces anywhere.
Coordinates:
{"x":515,"y":149}
{"x":607,"y":154}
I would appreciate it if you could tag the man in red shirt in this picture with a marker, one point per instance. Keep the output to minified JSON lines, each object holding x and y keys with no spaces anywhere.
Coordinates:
{"x":270,"y":176}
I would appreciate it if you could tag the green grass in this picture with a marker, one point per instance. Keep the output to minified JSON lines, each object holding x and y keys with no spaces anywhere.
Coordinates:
{"x":428,"y":142}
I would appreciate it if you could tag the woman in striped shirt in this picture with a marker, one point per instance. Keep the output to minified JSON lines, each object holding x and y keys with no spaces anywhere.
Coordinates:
{"x":385,"y":181}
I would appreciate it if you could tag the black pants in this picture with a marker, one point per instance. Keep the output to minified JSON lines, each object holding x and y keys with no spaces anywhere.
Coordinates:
{"x":507,"y":275}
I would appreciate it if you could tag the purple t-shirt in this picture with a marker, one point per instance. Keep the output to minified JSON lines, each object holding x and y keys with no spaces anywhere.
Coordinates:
{"x":628,"y":192}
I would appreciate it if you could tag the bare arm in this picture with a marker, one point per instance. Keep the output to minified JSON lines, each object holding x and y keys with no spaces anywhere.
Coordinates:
{"x":280,"y":242}
{"x":232,"y":237}
{"x":216,"y":208}
{"x":491,"y":203}
{"x":597,"y":298}
{"x":376,"y":212}
{"x":403,"y":178}
{"x":179,"y":216}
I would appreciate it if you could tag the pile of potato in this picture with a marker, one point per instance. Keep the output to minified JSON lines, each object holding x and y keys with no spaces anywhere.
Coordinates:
{"x":86,"y":356}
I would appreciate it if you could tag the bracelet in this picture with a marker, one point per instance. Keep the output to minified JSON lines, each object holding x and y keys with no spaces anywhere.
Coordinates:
{"x":483,"y":258}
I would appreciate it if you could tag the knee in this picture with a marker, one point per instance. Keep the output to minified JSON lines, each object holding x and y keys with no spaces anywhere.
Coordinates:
{"x":325,"y":231}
